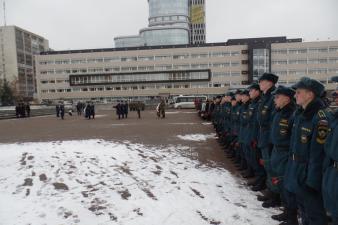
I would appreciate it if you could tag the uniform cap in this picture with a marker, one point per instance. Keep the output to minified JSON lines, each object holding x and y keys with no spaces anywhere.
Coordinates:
{"x":310,"y":84}
{"x":270,"y":77}
{"x":254,"y":86}
{"x":282,"y":90}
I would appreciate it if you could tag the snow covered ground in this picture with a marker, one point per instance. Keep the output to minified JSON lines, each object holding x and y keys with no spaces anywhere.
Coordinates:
{"x":96,"y":182}
{"x":196,"y":137}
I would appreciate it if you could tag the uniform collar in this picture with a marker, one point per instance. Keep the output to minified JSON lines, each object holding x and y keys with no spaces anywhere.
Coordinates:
{"x":335,"y":113}
{"x":256,"y":99}
{"x":312,"y":108}
{"x":270,"y":91}
{"x":289,"y":107}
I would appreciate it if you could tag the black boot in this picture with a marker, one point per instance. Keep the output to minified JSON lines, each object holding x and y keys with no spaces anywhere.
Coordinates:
{"x":248,"y":174}
{"x":272,"y":202}
{"x":280,"y":217}
{"x":253,"y":182}
{"x":259,"y":187}
{"x":291,"y":217}
{"x":266,"y":196}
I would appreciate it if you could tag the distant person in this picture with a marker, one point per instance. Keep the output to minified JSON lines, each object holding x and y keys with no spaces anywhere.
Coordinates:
{"x":57,"y":109}
{"x":17,"y":111}
{"x":28,"y":109}
{"x":138,"y":109}
{"x":87,"y":111}
{"x":158,"y":110}
{"x":79,"y":108}
{"x":91,"y":110}
{"x":22,"y":110}
{"x":62,"y":111}
{"x":161,"y":109}
{"x":125,"y":109}
{"x":118,"y":110}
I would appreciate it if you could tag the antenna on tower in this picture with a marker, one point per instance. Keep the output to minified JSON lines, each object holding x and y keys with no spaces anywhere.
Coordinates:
{"x":4,"y":6}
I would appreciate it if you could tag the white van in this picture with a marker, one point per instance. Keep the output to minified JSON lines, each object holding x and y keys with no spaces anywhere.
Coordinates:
{"x":187,"y":102}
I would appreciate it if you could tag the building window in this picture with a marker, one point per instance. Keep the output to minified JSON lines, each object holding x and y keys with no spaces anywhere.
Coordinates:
{"x":333,"y":49}
{"x":181,"y":56}
{"x":220,"y":54}
{"x":298,"y":51}
{"x":279,"y":51}
{"x":318,"y":61}
{"x":163,"y":57}
{"x":298,"y":61}
{"x":145,"y":58}
{"x":318,"y":50}
{"x":261,"y":62}
{"x":279,"y":62}
{"x":317,"y":71}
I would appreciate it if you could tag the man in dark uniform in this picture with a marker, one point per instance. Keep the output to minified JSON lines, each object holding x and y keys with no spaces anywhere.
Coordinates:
{"x":92,"y":110}
{"x":303,"y":175}
{"x":243,"y":121}
{"x":222,"y":119}
{"x":215,"y":110}
{"x":126,"y":109}
{"x":226,"y":123}
{"x":57,"y":109}
{"x":118,"y":110}
{"x":280,"y":138}
{"x":264,"y":116}
{"x":220,"y":107}
{"x":138,"y":109}
{"x":251,"y":139}
{"x":330,"y":177}
{"x":28,"y":109}
{"x":234,"y":126}
{"x":62,"y":111}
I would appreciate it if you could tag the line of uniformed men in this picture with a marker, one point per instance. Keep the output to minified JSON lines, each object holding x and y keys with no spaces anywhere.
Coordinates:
{"x":286,"y":140}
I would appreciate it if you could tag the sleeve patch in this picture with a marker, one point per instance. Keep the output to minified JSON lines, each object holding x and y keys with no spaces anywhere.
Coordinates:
{"x":322,"y":131}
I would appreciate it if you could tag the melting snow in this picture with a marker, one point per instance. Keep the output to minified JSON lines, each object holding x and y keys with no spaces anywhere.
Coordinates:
{"x":96,"y":182}
{"x":196,"y":137}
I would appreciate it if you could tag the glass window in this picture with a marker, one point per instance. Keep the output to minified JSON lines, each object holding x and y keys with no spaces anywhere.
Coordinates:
{"x":333,"y":49}
{"x":261,"y":62}
{"x":279,"y":51}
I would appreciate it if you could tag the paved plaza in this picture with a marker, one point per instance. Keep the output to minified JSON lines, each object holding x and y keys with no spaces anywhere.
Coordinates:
{"x":130,"y":171}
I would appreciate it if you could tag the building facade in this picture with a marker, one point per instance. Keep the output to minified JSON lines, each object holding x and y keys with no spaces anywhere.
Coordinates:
{"x":318,"y":60}
{"x":147,"y":72}
{"x":17,"y":65}
{"x":142,"y":73}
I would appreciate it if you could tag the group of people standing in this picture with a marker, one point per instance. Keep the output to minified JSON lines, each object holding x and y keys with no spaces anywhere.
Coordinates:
{"x":22,"y":110}
{"x":87,"y":108}
{"x":60,"y":110}
{"x":122,"y":109}
{"x":284,"y":140}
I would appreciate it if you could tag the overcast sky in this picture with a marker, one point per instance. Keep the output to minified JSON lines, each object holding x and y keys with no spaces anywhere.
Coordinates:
{"x":81,"y":24}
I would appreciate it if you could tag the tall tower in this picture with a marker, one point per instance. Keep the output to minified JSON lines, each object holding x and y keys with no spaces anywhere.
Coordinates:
{"x":197,"y":21}
{"x":168,"y":23}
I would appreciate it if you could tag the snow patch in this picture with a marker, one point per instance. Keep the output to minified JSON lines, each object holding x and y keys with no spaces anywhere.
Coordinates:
{"x":96,"y":182}
{"x":196,"y":137}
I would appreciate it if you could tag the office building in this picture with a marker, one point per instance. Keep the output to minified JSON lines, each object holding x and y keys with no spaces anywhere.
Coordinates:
{"x":213,"y":68}
{"x":17,"y":66}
